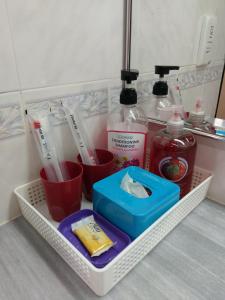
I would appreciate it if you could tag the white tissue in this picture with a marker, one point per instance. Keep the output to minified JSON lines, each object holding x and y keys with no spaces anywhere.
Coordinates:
{"x":132,"y":187}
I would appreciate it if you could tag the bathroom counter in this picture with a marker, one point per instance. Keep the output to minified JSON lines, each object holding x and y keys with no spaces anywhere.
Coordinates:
{"x":188,"y":264}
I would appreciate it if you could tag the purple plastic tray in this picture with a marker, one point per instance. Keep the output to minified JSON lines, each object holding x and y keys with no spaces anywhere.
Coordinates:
{"x":120,"y":238}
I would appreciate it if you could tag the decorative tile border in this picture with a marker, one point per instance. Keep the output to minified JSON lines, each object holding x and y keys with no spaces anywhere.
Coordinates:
{"x":44,"y":106}
{"x":11,"y":122}
{"x":89,"y":103}
{"x":38,"y":107}
{"x":95,"y":102}
{"x":114,"y":97}
{"x":198,"y":77}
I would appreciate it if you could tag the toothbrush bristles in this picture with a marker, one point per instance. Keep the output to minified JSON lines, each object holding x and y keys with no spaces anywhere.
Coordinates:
{"x":36,"y":124}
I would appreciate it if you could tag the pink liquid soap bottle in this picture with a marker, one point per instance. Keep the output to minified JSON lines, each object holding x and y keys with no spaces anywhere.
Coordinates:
{"x":172,"y":154}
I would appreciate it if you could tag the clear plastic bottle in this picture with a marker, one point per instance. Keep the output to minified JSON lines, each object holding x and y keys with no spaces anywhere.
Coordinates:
{"x":127,"y":130}
{"x":172,"y":154}
{"x":197,"y":120}
{"x":161,"y":98}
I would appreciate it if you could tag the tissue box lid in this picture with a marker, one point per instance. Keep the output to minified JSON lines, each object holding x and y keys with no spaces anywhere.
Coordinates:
{"x":163,"y":191}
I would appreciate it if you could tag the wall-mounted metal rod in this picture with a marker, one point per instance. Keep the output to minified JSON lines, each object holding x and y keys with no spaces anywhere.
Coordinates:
{"x":127,"y":24}
{"x":127,"y":34}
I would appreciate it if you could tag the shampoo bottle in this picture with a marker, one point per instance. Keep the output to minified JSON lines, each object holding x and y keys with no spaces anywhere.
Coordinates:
{"x":172,"y":154}
{"x":127,"y":127}
{"x":162,"y":101}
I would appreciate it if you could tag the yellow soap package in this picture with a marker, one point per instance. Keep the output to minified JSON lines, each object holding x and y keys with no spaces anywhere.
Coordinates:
{"x":92,"y":236}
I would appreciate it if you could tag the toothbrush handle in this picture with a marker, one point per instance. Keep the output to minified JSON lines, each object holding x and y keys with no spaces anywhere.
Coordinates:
{"x":87,"y":153}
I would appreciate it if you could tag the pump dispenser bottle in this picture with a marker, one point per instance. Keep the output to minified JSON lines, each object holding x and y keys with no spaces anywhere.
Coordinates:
{"x":127,"y":127}
{"x":172,"y":154}
{"x":163,"y":103}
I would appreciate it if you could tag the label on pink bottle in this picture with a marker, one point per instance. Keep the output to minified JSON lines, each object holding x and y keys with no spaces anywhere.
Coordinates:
{"x":128,"y":148}
{"x":174,"y":169}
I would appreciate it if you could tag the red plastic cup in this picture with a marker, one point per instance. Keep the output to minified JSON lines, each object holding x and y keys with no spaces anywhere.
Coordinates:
{"x":64,"y":198}
{"x":95,"y":173}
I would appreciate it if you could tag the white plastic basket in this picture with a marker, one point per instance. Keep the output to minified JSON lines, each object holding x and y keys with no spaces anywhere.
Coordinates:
{"x":31,"y":199}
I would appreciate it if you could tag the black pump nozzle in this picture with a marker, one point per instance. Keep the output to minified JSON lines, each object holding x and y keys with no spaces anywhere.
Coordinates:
{"x":160,"y":87}
{"x":129,"y":75}
{"x":164,"y":70}
{"x":128,"y":96}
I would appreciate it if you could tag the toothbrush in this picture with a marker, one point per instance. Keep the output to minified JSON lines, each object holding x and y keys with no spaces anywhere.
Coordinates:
{"x":178,"y":90}
{"x":198,"y":105}
{"x":85,"y":148}
{"x":47,"y":153}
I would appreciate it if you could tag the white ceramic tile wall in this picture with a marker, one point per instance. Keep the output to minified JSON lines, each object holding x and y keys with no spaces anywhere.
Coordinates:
{"x":48,"y":48}
{"x":8,"y":75}
{"x":165,"y":31}
{"x":61,"y":42}
{"x":215,"y":150}
{"x":17,"y":165}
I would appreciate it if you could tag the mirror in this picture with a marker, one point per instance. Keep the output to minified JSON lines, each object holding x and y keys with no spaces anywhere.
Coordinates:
{"x":188,"y":34}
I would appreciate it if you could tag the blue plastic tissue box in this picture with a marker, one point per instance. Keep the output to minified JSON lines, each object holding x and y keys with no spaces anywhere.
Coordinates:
{"x":131,"y":214}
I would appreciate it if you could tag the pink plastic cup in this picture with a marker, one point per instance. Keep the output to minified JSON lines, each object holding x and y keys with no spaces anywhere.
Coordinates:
{"x":95,"y":173}
{"x":64,"y":198}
